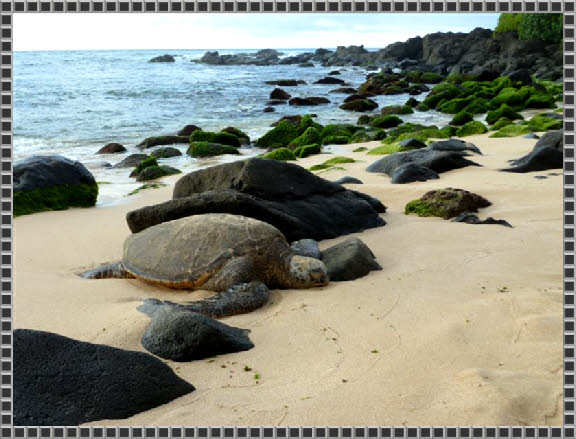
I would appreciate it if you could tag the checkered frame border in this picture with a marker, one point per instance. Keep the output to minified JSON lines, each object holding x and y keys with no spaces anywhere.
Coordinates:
{"x":8,"y":8}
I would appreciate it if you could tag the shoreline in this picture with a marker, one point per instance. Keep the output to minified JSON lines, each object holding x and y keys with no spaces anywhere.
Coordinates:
{"x":452,"y":348}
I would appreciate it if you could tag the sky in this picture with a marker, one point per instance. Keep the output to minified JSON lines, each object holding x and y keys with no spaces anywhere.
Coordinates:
{"x":231,"y":31}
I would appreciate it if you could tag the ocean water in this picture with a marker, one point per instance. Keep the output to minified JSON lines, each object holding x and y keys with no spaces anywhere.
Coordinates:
{"x":73,"y":102}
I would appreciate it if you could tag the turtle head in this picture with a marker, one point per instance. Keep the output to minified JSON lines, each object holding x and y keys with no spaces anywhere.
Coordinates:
{"x":307,"y":272}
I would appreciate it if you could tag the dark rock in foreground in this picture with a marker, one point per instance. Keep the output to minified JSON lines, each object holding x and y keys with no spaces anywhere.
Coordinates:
{"x":131,"y":161}
{"x":163,"y":58}
{"x":411,"y":172}
{"x":471,"y":218}
{"x":437,"y":161}
{"x":547,"y":154}
{"x":154,"y":172}
{"x":61,"y":381}
{"x":287,"y":196}
{"x":111,"y":148}
{"x":306,"y":247}
{"x":180,"y":335}
{"x":349,"y":260}
{"x":446,"y":203}
{"x":149,"y":142}
{"x":348,"y":180}
{"x":52,"y":183}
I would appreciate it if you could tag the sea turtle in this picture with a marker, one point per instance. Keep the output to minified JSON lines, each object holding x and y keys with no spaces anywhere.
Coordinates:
{"x":236,"y":256}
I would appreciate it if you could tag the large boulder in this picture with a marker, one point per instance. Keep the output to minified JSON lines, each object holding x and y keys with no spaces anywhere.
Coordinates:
{"x":279,"y":94}
{"x":454,"y":145}
{"x":52,"y":183}
{"x":437,"y":161}
{"x":131,"y":161}
{"x":291,"y":198}
{"x":349,"y":260}
{"x":163,"y":58}
{"x":330,"y":80}
{"x":446,"y":203}
{"x":188,"y":130}
{"x":61,"y":381}
{"x":411,"y":172}
{"x":180,"y":335}
{"x":165,"y":152}
{"x":547,"y":154}
{"x":149,"y":142}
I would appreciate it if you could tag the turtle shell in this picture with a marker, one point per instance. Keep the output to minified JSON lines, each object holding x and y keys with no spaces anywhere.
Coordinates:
{"x":187,"y":252}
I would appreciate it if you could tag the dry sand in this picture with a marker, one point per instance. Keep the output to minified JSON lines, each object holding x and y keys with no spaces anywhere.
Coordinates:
{"x":463,"y":326}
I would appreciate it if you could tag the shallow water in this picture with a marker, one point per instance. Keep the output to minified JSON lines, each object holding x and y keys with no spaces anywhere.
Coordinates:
{"x":73,"y":102}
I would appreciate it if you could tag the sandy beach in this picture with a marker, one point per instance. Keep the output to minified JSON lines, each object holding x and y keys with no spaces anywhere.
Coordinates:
{"x":463,"y":326}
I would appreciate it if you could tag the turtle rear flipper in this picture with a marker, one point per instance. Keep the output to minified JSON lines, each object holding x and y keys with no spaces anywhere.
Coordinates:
{"x":238,"y":299}
{"x":115,"y":270}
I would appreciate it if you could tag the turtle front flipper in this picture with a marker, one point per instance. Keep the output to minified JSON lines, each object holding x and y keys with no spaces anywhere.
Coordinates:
{"x":115,"y":270}
{"x":238,"y":299}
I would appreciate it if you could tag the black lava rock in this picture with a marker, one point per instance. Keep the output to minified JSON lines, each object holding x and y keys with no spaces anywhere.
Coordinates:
{"x":349,"y":260}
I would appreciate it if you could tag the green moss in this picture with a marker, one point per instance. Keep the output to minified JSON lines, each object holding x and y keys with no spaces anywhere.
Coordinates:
{"x":422,"y":107}
{"x":422,"y":135}
{"x":309,"y":136}
{"x":281,"y":154}
{"x":239,"y":134}
{"x":509,"y":96}
{"x":59,"y":197}
{"x":471,"y":128}
{"x":430,"y":78}
{"x":308,"y":122}
{"x":396,"y":109}
{"x":360,"y":149}
{"x":147,"y":186}
{"x":449,"y":131}
{"x":360,"y":137}
{"x":543,"y":123}
{"x":332,"y":163}
{"x":386,"y":149}
{"x":386,"y":121}
{"x":423,"y":208}
{"x":413,"y":76}
{"x":461,"y":118}
{"x":540,"y":101}
{"x":282,"y":134}
{"x":339,"y":130}
{"x":500,"y":83}
{"x":501,"y":123}
{"x":308,"y":150}
{"x":222,"y":138}
{"x":511,"y":131}
{"x":412,"y":103}
{"x":478,"y":106}
{"x":455,"y":105}
{"x":365,"y":119}
{"x":408,"y":127}
{"x":154,"y":172}
{"x":504,"y":111}
{"x":207,"y":149}
{"x":146,"y":163}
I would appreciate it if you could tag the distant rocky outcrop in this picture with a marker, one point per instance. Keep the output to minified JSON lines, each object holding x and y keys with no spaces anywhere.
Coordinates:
{"x":163,"y":58}
{"x":263,"y":57}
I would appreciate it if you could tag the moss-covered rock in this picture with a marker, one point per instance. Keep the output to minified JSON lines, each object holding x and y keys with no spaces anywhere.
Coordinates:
{"x":430,"y":78}
{"x":360,"y":137}
{"x":360,"y":105}
{"x":386,"y":149}
{"x":478,"y":106}
{"x":307,"y":150}
{"x":59,"y":197}
{"x":146,"y":163}
{"x":221,"y":138}
{"x":543,"y":123}
{"x":360,"y":149}
{"x":396,"y":109}
{"x":511,"y":131}
{"x":446,"y":203}
{"x":504,"y":111}
{"x":335,"y":140}
{"x":501,"y":123}
{"x":454,"y":106}
{"x":239,"y":134}
{"x":284,"y":133}
{"x":509,"y":96}
{"x":308,"y":137}
{"x":386,"y":121}
{"x":422,"y":107}
{"x":449,"y":130}
{"x":412,"y":103}
{"x":540,"y":101}
{"x":208,"y":149}
{"x":154,"y":172}
{"x":332,"y":163}
{"x":500,"y":83}
{"x":461,"y":118}
{"x":471,"y":128}
{"x":282,"y":154}
{"x":365,"y":119}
